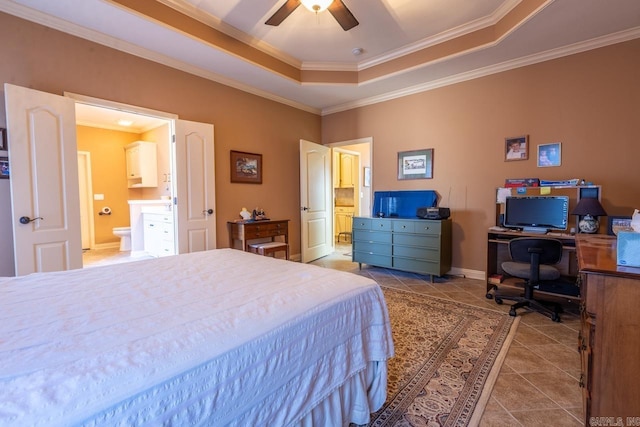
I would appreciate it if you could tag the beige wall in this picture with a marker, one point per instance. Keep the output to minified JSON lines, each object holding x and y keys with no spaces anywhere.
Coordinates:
{"x":44,"y":59}
{"x":108,"y":177}
{"x":590,"y":102}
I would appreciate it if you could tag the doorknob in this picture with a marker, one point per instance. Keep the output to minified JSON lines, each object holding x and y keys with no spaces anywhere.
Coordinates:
{"x":208,"y":211}
{"x":27,"y":220}
{"x":304,"y":208}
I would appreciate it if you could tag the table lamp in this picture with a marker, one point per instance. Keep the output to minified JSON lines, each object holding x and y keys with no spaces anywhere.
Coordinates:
{"x":590,"y":209}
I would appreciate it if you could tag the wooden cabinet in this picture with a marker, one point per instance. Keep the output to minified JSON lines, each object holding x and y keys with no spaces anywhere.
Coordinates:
{"x":158,"y":233}
{"x":246,"y":231}
{"x":609,"y":338}
{"x":142,"y":164}
{"x":416,"y":245}
{"x":343,"y":216}
{"x":347,"y":168}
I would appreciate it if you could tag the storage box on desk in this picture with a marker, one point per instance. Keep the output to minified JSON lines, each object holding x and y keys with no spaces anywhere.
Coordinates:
{"x":628,"y":248}
{"x":521,"y":182}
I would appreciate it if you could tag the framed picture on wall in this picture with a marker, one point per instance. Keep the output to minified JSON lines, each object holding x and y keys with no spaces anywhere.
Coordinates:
{"x":246,"y":167}
{"x":4,"y":168}
{"x":549,"y":154}
{"x":516,"y":148}
{"x":417,"y":164}
{"x":3,"y":140}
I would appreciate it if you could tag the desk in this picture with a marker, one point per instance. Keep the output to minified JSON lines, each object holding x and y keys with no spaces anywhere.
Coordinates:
{"x":609,"y":339}
{"x":498,"y":252}
{"x":245,"y":231}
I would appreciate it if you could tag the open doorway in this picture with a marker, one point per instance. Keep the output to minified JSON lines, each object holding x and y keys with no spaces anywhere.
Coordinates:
{"x":352,"y":167}
{"x":105,"y":137}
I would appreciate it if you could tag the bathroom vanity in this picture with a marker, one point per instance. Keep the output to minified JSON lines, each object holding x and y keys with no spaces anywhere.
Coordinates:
{"x":158,"y":212}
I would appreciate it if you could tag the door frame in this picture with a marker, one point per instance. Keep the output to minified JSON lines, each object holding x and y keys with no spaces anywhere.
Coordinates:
{"x":169,"y":117}
{"x":366,"y":140}
{"x":86,"y":198}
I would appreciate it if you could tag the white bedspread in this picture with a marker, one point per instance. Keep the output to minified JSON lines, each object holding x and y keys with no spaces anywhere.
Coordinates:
{"x":212,"y":338}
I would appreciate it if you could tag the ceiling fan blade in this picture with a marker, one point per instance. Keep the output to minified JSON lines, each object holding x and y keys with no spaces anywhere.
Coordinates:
{"x":282,"y":13}
{"x":343,"y":15}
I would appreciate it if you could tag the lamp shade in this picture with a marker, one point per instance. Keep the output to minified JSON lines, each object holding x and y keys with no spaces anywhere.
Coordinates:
{"x":589,"y":206}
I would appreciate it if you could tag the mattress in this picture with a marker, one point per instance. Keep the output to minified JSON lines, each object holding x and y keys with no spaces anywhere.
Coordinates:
{"x":220,"y":337}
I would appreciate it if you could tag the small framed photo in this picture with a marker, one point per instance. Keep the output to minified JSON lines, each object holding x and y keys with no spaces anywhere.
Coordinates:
{"x":366,"y":181}
{"x":516,"y":148}
{"x":4,"y":168}
{"x":549,"y":154}
{"x":618,"y":223}
{"x":246,"y":167}
{"x":417,"y":164}
{"x":3,"y":140}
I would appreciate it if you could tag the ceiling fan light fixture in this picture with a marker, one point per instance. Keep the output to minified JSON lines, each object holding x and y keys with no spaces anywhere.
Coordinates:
{"x":316,"y":6}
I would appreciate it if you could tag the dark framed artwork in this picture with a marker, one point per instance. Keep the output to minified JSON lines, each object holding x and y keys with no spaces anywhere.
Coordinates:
{"x":549,"y":154}
{"x":246,"y":167}
{"x":3,"y":140}
{"x":516,"y":148}
{"x":417,"y":164}
{"x":4,"y":168}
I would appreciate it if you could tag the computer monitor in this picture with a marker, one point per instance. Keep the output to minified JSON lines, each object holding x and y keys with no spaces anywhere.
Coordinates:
{"x":537,"y":214}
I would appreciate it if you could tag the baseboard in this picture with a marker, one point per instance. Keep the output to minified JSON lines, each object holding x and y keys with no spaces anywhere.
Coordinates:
{"x":470,"y":274}
{"x":109,"y":245}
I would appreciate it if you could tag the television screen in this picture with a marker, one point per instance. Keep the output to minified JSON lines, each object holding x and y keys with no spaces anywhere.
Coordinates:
{"x":537,"y":213}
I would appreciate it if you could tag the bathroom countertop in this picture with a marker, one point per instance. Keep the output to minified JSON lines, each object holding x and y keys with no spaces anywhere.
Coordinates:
{"x":150,"y":202}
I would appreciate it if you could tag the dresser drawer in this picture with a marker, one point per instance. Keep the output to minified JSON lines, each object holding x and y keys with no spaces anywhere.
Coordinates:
{"x":372,"y":259}
{"x":416,"y":252}
{"x":257,"y":231}
{"x":416,"y":240}
{"x":418,"y":266}
{"x":428,"y":227}
{"x":371,"y":247}
{"x":361,"y":223}
{"x":372,"y":236}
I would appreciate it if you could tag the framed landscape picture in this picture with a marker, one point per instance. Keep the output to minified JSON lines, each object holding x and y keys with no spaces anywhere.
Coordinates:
{"x":246,"y":167}
{"x":417,"y":164}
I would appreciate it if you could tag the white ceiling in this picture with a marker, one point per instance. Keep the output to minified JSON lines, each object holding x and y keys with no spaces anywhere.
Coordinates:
{"x":388,"y":30}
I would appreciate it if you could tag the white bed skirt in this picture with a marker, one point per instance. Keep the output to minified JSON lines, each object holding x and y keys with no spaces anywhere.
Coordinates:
{"x":353,"y":402}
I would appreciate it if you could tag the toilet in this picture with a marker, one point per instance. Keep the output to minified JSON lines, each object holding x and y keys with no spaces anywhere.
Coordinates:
{"x":124,"y":233}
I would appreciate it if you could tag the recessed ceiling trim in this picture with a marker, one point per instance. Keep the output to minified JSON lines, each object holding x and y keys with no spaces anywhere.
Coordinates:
{"x":66,"y":27}
{"x":573,"y":49}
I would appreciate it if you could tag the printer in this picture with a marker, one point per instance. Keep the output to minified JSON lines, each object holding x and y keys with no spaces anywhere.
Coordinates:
{"x":433,"y":213}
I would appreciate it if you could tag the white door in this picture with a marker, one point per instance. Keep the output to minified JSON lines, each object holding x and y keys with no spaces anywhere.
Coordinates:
{"x":196,"y":200}
{"x":44,"y":180}
{"x":315,"y":196}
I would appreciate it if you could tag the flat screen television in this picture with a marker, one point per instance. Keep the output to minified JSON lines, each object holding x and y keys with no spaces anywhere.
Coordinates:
{"x":537,"y":214}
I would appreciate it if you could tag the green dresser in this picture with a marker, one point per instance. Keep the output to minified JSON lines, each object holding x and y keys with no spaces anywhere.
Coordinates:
{"x":416,"y":245}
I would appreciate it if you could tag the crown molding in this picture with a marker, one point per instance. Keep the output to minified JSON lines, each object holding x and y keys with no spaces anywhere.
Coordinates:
{"x":130,"y":48}
{"x":575,"y":48}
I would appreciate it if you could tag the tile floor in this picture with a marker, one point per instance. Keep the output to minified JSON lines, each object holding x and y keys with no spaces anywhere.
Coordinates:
{"x":538,"y":382}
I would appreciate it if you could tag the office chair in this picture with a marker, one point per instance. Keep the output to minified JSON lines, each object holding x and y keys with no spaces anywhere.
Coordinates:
{"x":532,"y":259}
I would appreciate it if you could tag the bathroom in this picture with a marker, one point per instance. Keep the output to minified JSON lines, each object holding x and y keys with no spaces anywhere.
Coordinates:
{"x":104,"y":184}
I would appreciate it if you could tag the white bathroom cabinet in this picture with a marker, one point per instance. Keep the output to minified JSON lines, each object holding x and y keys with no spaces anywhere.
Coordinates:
{"x":142,"y":164}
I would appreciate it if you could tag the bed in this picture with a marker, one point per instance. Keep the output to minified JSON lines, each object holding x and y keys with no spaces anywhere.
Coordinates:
{"x":212,"y":338}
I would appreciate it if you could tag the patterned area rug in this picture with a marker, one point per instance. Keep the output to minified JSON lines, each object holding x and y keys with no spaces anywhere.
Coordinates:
{"x":447,"y":356}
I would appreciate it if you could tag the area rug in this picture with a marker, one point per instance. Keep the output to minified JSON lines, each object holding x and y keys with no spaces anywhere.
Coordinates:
{"x":447,"y":357}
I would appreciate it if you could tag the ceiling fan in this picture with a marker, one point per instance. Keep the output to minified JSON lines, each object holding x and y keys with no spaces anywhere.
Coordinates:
{"x":336,"y":7}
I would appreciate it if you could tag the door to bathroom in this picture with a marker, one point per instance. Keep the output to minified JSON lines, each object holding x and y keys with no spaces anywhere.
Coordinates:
{"x":45,"y":187}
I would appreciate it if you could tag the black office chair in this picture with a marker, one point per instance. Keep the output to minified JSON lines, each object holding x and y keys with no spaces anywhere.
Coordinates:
{"x":532,"y":259}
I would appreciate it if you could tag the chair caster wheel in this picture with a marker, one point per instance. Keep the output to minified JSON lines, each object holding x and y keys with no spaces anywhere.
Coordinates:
{"x":489,"y":296}
{"x":512,"y":313}
{"x":498,"y":300}
{"x":555,"y":317}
